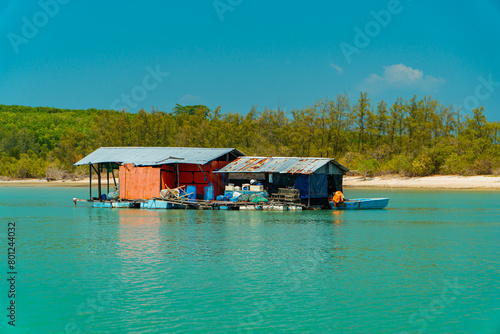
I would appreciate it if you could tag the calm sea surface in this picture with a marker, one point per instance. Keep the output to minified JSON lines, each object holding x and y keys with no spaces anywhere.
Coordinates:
{"x":430,"y":263}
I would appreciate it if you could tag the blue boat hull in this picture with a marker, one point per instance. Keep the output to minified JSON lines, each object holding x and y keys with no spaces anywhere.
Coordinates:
{"x":361,"y":203}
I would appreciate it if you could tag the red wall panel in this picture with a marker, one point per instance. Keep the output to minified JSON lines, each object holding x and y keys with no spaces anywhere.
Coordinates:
{"x":186,"y":177}
{"x":139,"y":182}
{"x":144,"y":182}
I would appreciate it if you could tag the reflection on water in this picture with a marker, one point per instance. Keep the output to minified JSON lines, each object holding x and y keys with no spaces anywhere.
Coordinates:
{"x":178,"y":271}
{"x":139,"y":236}
{"x":338,"y":216}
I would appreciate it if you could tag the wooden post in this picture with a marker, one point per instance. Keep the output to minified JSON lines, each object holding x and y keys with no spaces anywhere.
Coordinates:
{"x":99,"y":179}
{"x":309,"y":188}
{"x":177,"y":175}
{"x":107,"y":174}
{"x":113,"y":172}
{"x":161,"y":183}
{"x":90,"y":183}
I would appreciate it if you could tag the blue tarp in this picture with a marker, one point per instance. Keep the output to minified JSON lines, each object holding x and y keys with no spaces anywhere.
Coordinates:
{"x":319,"y":185}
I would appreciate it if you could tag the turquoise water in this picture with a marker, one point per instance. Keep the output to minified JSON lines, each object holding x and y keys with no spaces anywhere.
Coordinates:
{"x":427,"y":264}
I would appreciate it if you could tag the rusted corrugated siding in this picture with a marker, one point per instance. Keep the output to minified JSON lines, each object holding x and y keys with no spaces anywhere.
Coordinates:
{"x":288,"y":165}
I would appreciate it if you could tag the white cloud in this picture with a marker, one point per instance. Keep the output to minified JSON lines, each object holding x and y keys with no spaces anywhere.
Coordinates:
{"x":399,"y":76}
{"x":337,"y":68}
{"x":191,"y":100}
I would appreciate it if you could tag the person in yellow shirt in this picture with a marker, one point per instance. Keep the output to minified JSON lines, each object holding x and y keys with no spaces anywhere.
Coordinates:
{"x":338,"y":198}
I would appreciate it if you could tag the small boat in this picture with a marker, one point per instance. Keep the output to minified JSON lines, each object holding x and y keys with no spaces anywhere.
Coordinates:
{"x":360,"y":204}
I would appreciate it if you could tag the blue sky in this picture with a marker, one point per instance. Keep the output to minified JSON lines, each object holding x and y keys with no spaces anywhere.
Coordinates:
{"x":239,"y":53}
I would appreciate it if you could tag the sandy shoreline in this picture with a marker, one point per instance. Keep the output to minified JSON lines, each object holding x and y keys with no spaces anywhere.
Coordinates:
{"x":45,"y":183}
{"x":428,"y":182}
{"x":393,"y":181}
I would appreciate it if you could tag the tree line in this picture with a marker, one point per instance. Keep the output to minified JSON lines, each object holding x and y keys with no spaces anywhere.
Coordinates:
{"x":414,"y":137}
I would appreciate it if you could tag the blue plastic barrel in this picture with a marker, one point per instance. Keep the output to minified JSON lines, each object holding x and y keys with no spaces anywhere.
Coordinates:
{"x":191,"y":190}
{"x":209,"y":193}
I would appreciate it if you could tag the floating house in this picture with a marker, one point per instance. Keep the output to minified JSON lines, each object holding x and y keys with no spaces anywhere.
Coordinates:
{"x":145,"y":171}
{"x":210,"y":178}
{"x":315,"y":178}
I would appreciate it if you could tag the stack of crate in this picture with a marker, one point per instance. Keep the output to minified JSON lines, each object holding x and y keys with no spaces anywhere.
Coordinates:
{"x":286,"y":195}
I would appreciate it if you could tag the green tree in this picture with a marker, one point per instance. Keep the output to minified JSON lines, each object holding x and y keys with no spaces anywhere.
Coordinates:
{"x":361,"y":114}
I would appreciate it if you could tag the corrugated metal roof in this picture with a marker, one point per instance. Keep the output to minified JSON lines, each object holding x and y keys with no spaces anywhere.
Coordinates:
{"x":284,"y":165}
{"x":153,"y":156}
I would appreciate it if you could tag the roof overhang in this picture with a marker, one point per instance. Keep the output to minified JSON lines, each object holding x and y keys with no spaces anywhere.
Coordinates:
{"x":156,"y":156}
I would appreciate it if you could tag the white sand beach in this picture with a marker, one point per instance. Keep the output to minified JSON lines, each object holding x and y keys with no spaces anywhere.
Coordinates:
{"x":389,"y":181}
{"x":45,"y":183}
{"x":428,"y":182}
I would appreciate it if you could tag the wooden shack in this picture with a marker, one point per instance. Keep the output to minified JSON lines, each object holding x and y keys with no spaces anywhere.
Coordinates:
{"x":316,"y":179}
{"x":145,"y":171}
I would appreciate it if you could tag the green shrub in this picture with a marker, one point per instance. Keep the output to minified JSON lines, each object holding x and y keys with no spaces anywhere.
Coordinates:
{"x":399,"y":164}
{"x":422,"y":165}
{"x":368,"y":166}
{"x":482,"y":166}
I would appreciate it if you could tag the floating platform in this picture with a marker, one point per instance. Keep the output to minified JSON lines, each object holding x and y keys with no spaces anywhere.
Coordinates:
{"x":168,"y":204}
{"x":271,"y":207}
{"x":160,"y":204}
{"x":110,"y":203}
{"x":219,"y":205}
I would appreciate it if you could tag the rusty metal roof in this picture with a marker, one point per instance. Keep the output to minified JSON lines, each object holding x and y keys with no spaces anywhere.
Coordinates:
{"x":154,"y":156}
{"x":284,"y":165}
